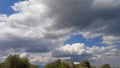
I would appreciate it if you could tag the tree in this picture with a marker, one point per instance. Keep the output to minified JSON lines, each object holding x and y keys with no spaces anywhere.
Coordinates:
{"x":62,"y":66}
{"x":50,"y":65}
{"x":85,"y":64}
{"x":14,"y":61}
{"x":1,"y":65}
{"x":33,"y":66}
{"x":57,"y":64}
{"x":93,"y":66}
{"x":66,"y":65}
{"x":72,"y":65}
{"x":105,"y":66}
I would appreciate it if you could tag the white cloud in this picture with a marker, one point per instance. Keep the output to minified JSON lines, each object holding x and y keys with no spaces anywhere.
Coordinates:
{"x":110,"y":40}
{"x":31,"y":22}
{"x":76,"y":49}
{"x":37,"y":20}
{"x":44,"y":58}
{"x":41,"y":26}
{"x":3,"y":17}
{"x":89,"y":34}
{"x":69,"y":52}
{"x":41,"y":58}
{"x":81,"y":52}
{"x":24,"y":54}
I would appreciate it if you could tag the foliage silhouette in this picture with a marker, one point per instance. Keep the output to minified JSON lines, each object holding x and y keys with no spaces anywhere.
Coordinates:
{"x":14,"y":61}
{"x":105,"y":66}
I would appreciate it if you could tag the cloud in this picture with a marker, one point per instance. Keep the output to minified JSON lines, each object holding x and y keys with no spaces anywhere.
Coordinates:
{"x":28,"y":28}
{"x":66,"y":50}
{"x":34,"y":57}
{"x":29,"y":44}
{"x":110,"y":40}
{"x":79,"y":52}
{"x":53,"y":21}
{"x":84,"y":16}
{"x":90,"y":18}
{"x":43,"y":26}
{"x":106,"y":4}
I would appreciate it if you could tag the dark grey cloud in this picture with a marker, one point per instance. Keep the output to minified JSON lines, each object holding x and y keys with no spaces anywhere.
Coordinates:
{"x":71,"y":13}
{"x":79,"y":58}
{"x":82,"y":15}
{"x":28,"y":44}
{"x":78,"y":15}
{"x":42,"y":26}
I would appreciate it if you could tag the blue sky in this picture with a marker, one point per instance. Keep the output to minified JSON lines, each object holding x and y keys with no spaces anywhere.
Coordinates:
{"x":51,"y":29}
{"x":5,"y":6}
{"x":80,"y":39}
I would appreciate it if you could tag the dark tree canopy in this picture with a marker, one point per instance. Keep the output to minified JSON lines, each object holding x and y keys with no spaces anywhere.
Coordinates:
{"x":62,"y":64}
{"x":85,"y":63}
{"x":57,"y":64}
{"x":14,"y":61}
{"x":105,"y":66}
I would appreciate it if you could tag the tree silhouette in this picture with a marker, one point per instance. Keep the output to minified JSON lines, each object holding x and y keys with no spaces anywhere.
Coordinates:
{"x":105,"y":66}
{"x":57,"y":64}
{"x":14,"y":61}
{"x":85,"y":63}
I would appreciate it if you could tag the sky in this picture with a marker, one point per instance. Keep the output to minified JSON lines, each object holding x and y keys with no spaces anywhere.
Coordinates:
{"x":70,"y":30}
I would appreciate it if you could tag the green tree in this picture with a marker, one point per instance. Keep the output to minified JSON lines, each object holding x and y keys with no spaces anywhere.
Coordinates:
{"x":14,"y":61}
{"x":93,"y":67}
{"x":105,"y":66}
{"x":57,"y":64}
{"x":33,"y":66}
{"x":85,"y":64}
{"x":72,"y":65}
{"x":66,"y":65}
{"x":62,"y":66}
{"x":1,"y":65}
{"x":50,"y":65}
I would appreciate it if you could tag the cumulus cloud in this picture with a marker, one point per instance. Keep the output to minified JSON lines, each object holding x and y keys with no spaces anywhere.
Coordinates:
{"x":110,"y":40}
{"x":84,"y":15}
{"x":79,"y":52}
{"x":28,"y":28}
{"x":74,"y":49}
{"x":43,"y":26}
{"x":53,"y":21}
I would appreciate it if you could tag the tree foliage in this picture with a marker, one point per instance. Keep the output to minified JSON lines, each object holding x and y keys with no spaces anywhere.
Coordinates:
{"x":61,"y":64}
{"x":85,"y":64}
{"x":105,"y":66}
{"x":33,"y":66}
{"x":57,"y":64}
{"x":14,"y":61}
{"x":1,"y":65}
